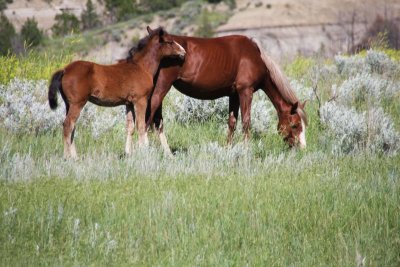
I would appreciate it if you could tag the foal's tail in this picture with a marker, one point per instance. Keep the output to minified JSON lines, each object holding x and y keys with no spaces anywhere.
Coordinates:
{"x":55,"y":86}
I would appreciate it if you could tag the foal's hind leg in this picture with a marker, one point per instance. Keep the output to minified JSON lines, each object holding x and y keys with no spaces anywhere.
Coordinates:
{"x":233,"y":115}
{"x":130,"y":126}
{"x":73,"y":112}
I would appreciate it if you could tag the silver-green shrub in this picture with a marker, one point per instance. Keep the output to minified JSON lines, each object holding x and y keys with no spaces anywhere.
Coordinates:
{"x":367,"y":87}
{"x":374,"y":62}
{"x":184,"y":109}
{"x":356,"y":117}
{"x":24,"y":109}
{"x":347,"y":126}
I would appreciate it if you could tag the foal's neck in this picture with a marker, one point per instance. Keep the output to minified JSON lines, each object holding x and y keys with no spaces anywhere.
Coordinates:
{"x":149,"y":60}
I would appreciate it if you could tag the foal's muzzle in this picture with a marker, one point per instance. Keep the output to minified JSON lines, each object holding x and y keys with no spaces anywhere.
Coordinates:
{"x":182,"y":51}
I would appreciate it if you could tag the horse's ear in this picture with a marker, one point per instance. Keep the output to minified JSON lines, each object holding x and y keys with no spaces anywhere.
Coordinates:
{"x":149,"y":30}
{"x":294,"y":108}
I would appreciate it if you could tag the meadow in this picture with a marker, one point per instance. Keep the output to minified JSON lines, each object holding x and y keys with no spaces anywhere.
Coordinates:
{"x":336,"y":203}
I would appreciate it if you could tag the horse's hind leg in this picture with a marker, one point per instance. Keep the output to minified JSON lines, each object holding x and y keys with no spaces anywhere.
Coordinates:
{"x":69,"y":129}
{"x":233,"y":115}
{"x":130,"y":127}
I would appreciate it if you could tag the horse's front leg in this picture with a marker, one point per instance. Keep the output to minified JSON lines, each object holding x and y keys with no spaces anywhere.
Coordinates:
{"x":245,"y":99}
{"x":140,"y":110}
{"x":164,"y":83}
{"x":130,"y":127}
{"x":233,"y":115}
{"x":159,"y":127}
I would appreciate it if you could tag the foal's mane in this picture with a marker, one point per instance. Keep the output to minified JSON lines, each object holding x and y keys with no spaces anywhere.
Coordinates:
{"x":142,"y":44}
{"x":280,"y":80}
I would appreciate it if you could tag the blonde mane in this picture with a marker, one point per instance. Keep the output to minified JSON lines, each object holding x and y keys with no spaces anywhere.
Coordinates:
{"x":280,"y":81}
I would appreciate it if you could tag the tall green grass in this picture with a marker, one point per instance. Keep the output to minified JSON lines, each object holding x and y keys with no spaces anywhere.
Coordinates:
{"x":33,"y":65}
{"x":209,"y":205}
{"x":264,"y":206}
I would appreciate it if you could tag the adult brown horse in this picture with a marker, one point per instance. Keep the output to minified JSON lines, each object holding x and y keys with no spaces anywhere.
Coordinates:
{"x":233,"y":66}
{"x":127,"y":83}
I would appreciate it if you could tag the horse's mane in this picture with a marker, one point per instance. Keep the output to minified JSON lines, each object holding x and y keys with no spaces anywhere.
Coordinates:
{"x":280,"y":81}
{"x":142,"y":44}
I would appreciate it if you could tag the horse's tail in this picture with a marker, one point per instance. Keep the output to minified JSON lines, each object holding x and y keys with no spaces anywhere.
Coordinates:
{"x":55,"y":86}
{"x":279,"y":80}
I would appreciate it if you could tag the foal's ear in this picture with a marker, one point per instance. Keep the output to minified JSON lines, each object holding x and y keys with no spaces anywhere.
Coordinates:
{"x":294,"y":108}
{"x":149,"y":30}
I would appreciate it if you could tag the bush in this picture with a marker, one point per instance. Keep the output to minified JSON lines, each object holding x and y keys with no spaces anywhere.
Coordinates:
{"x":366,"y":89}
{"x":354,"y":131}
{"x":372,"y":62}
{"x":356,"y":118}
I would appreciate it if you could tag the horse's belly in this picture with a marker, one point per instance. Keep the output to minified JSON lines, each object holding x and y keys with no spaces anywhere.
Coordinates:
{"x":202,"y":91}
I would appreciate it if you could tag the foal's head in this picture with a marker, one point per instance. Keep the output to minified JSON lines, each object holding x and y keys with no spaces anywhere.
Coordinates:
{"x":292,"y":126}
{"x":161,"y":42}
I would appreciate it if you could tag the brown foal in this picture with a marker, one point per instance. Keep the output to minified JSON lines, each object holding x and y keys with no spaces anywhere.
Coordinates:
{"x":129,"y":82}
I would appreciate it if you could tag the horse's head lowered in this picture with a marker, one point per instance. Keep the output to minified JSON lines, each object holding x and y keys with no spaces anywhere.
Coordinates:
{"x":292,"y":126}
{"x":163,"y":43}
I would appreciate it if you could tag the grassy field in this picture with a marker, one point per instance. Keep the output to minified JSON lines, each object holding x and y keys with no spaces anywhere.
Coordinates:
{"x":209,"y":205}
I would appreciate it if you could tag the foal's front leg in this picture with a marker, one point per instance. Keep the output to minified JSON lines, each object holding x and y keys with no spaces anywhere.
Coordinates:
{"x":130,"y":127}
{"x":140,"y":110}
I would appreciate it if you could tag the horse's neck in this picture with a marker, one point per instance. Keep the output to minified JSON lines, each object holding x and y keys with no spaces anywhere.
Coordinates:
{"x":280,"y":104}
{"x":148,"y":60}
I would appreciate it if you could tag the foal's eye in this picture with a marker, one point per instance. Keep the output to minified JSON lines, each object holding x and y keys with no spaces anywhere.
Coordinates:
{"x":293,"y":126}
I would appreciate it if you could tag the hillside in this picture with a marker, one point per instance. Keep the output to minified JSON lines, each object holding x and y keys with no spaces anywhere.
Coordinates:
{"x":289,"y":27}
{"x":285,"y":28}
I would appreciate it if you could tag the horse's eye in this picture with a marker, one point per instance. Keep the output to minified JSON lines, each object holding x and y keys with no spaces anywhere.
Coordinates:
{"x":293,"y":126}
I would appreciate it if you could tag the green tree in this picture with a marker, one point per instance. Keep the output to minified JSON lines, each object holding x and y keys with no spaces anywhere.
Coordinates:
{"x":155,"y":5}
{"x":7,"y":34}
{"x":65,"y":23}
{"x":30,"y":33}
{"x":121,"y":9}
{"x":89,"y":18}
{"x":205,"y":27}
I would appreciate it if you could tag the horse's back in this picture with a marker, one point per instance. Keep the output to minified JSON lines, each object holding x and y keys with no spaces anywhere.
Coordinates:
{"x":212,"y":65}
